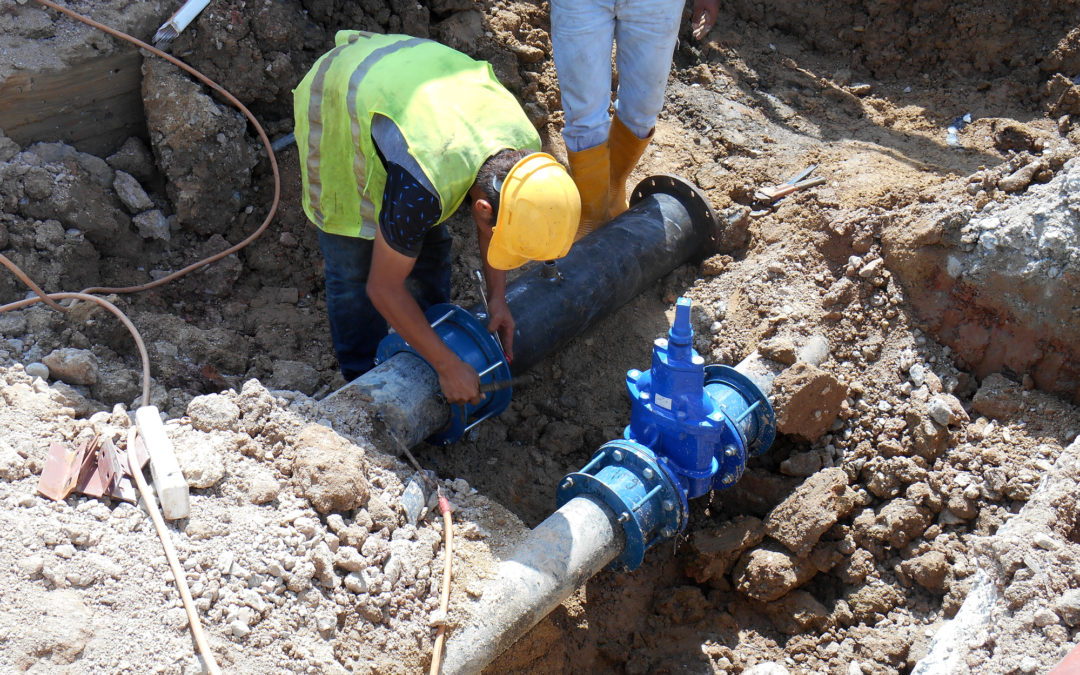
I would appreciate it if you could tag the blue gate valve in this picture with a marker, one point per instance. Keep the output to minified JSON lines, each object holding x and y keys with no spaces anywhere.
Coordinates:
{"x":691,"y":430}
{"x":467,"y":337}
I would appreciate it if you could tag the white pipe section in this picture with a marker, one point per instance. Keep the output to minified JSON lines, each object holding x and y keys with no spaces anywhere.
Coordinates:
{"x":560,"y":554}
{"x":762,"y":370}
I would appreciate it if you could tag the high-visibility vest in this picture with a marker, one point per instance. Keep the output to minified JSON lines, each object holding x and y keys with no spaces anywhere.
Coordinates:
{"x":450,"y":108}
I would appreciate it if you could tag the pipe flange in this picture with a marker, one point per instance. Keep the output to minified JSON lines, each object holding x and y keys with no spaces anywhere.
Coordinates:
{"x":691,"y":197}
{"x":468,"y":338}
{"x":763,"y":412}
{"x":641,"y":491}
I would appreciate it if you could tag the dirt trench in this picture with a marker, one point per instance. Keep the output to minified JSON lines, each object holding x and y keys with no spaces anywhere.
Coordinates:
{"x":940,"y":268}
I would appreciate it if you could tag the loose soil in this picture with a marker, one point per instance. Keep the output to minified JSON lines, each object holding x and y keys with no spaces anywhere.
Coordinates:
{"x":844,"y":549}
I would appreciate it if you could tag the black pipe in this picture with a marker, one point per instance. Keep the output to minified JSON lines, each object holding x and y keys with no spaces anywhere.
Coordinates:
{"x":669,"y":222}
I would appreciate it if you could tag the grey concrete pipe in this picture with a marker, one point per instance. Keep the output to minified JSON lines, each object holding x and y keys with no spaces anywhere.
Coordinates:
{"x":560,"y":555}
{"x":668,"y":224}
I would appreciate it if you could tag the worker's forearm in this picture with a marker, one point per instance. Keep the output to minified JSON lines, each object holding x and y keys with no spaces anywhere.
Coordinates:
{"x":400,"y":310}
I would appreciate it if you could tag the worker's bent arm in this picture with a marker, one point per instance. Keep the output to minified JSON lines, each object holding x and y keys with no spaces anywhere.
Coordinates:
{"x":499,"y":316}
{"x":386,"y":288}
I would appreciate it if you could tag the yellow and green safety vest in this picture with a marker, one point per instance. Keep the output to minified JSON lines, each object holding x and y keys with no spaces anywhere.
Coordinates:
{"x":450,"y":108}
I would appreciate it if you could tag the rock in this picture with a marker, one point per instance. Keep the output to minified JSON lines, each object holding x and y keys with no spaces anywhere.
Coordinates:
{"x":904,"y":521}
{"x":214,"y":412}
{"x":929,"y":439}
{"x":806,"y":400}
{"x":355,"y":582}
{"x":929,"y":570}
{"x":329,"y":470}
{"x":134,"y":158}
{"x":201,"y":458}
{"x":37,"y":369}
{"x":1068,"y":607}
{"x":803,"y":464}
{"x":814,"y":507}
{"x":262,"y":487}
{"x":153,"y":225}
{"x":997,"y":397}
{"x":296,"y":376}
{"x":202,"y":148}
{"x":716,"y":550}
{"x":73,"y":366}
{"x":131,"y":193}
{"x":780,"y":349}
{"x":875,"y":599}
{"x":768,"y":575}
{"x":797,"y":612}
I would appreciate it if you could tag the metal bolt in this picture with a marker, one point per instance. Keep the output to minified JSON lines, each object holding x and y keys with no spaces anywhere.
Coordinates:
{"x":623,"y":517}
{"x":617,"y":455}
{"x":731,"y":450}
{"x":648,"y":473}
{"x":668,"y":505}
{"x":668,"y":532}
{"x":568,"y":483}
{"x":729,"y":478}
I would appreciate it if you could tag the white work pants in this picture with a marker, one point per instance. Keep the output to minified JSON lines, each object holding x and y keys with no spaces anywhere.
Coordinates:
{"x":582,"y":32}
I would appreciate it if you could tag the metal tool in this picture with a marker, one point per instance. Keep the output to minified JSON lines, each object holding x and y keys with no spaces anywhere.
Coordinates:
{"x":483,"y":301}
{"x":503,"y":384}
{"x":775,"y":193}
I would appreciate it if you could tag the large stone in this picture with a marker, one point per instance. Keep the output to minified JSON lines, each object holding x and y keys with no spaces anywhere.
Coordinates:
{"x":213,"y":412}
{"x":329,"y":470}
{"x":806,"y":400}
{"x":929,"y":570}
{"x":998,"y":397}
{"x":716,"y":549}
{"x":74,"y":366}
{"x":201,"y":457}
{"x":768,"y":575}
{"x":815,"y":506}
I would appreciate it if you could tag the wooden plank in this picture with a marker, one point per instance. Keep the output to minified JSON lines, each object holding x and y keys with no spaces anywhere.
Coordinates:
{"x":94,"y":106}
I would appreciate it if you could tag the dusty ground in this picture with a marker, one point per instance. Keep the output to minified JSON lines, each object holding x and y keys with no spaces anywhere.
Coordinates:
{"x":842,"y":550}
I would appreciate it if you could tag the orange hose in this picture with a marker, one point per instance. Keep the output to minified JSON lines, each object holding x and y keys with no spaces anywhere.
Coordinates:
{"x":444,"y":602}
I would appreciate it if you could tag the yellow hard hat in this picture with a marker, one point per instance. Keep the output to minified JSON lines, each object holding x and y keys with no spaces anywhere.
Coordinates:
{"x":539,"y":209}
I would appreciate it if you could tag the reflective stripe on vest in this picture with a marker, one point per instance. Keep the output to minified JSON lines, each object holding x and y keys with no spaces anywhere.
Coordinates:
{"x":314,"y":144}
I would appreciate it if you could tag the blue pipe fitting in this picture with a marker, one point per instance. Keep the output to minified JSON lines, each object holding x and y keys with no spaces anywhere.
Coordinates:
{"x":691,"y":430}
{"x":467,"y":337}
{"x":641,"y":491}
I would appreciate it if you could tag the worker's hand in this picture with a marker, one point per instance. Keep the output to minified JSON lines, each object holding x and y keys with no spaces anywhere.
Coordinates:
{"x":500,"y":319}
{"x":460,"y":383}
{"x":703,"y":17}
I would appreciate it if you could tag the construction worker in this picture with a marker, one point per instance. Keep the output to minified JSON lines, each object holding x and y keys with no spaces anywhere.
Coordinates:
{"x":602,"y":150}
{"x":394,"y":133}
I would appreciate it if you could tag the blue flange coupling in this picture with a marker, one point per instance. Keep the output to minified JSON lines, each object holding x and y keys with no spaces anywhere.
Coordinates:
{"x":641,"y":491}
{"x":468,"y":338}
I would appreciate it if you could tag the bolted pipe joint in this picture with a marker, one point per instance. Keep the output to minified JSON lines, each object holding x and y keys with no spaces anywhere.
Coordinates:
{"x":641,"y":491}
{"x":469,"y":339}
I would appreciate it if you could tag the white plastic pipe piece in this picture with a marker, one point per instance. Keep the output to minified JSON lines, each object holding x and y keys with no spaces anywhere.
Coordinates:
{"x":560,"y":555}
{"x":180,"y":20}
{"x":169,"y":481}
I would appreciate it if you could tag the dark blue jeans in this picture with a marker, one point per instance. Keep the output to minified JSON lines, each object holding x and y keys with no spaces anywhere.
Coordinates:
{"x":355,"y":325}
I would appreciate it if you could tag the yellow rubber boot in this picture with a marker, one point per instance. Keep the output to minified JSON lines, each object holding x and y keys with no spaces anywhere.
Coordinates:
{"x":626,"y":149}
{"x":590,"y":169}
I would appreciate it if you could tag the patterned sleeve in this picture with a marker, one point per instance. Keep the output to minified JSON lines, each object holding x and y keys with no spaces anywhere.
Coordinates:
{"x":408,"y":211}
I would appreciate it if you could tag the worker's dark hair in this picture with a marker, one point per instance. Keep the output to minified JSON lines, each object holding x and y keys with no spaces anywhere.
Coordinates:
{"x":493,"y":172}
